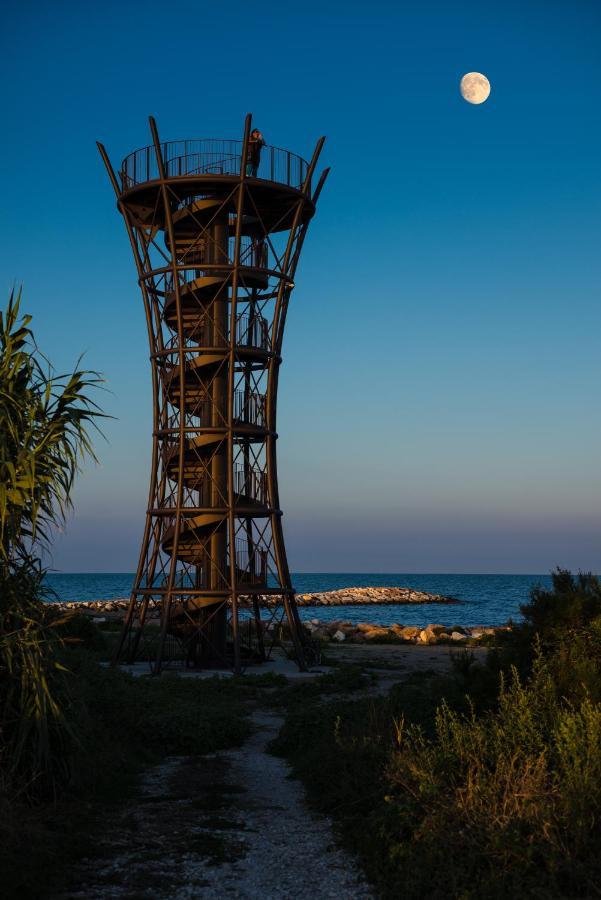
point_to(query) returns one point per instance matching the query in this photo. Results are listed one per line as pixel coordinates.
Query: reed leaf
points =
(46, 421)
(45, 424)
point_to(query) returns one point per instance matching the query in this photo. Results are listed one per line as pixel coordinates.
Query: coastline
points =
(351, 596)
(339, 631)
(483, 599)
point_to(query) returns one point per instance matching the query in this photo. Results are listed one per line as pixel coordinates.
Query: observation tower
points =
(216, 244)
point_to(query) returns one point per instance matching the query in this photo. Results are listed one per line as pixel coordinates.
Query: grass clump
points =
(45, 423)
(159, 716)
(502, 803)
(35, 734)
(118, 724)
(485, 783)
(73, 734)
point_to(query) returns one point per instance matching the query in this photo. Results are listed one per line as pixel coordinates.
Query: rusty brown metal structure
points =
(216, 241)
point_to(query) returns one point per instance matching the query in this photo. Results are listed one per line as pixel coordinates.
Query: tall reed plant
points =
(45, 423)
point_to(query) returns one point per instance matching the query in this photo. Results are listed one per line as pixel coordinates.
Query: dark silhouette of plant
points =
(44, 421)
(573, 602)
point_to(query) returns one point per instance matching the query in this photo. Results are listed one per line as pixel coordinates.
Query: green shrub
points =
(44, 435)
(340, 750)
(573, 602)
(122, 724)
(502, 804)
(76, 630)
(564, 624)
(36, 737)
(155, 716)
(483, 784)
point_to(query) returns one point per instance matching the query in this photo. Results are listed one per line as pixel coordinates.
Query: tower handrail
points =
(253, 254)
(196, 156)
(250, 408)
(250, 482)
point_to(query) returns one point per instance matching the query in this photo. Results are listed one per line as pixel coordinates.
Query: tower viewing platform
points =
(207, 157)
(216, 228)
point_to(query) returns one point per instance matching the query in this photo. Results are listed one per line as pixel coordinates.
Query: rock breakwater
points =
(383, 596)
(351, 632)
(338, 631)
(352, 596)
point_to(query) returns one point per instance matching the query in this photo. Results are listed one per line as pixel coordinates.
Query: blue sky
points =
(439, 399)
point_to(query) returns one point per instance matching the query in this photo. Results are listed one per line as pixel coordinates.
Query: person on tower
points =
(253, 152)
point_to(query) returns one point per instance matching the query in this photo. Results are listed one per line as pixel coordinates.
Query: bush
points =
(502, 804)
(76, 630)
(44, 435)
(483, 784)
(341, 750)
(155, 716)
(36, 738)
(573, 603)
(121, 724)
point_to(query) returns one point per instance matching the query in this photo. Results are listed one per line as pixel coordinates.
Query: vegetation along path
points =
(230, 824)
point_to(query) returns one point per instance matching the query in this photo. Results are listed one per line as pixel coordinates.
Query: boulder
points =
(427, 637)
(349, 630)
(457, 636)
(409, 633)
(339, 636)
(397, 630)
(376, 633)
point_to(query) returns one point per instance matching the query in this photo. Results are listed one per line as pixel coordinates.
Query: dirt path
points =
(404, 659)
(225, 825)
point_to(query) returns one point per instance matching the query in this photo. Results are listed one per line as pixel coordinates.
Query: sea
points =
(484, 599)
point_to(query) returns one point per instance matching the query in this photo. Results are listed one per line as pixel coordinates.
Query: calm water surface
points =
(485, 599)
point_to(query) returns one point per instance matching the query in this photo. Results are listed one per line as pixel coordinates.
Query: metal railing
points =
(250, 483)
(252, 331)
(250, 408)
(208, 156)
(252, 568)
(200, 408)
(252, 253)
(198, 253)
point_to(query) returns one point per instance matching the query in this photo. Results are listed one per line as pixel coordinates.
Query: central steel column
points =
(218, 244)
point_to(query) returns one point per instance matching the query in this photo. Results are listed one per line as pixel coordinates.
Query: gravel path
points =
(228, 825)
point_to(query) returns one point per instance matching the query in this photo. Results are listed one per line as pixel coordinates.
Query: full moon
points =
(475, 87)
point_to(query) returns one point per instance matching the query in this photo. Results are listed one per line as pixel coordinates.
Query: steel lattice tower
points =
(216, 247)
